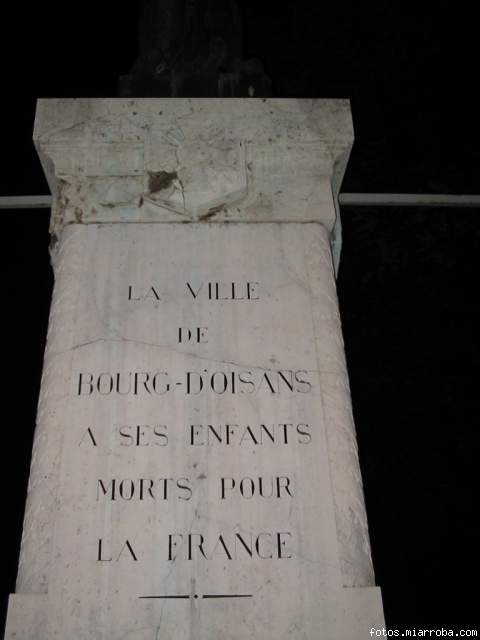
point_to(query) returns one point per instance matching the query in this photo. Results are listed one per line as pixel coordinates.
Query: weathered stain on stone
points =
(158, 180)
(53, 241)
(63, 199)
(211, 212)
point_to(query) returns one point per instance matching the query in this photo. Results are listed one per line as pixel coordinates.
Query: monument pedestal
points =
(195, 473)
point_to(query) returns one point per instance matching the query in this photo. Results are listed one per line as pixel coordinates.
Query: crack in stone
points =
(176, 351)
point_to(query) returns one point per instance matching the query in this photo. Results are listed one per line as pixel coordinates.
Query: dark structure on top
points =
(193, 48)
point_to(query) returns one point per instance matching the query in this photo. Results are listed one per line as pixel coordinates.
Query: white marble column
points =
(195, 470)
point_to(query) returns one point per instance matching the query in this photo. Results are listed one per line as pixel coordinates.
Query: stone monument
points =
(193, 48)
(195, 472)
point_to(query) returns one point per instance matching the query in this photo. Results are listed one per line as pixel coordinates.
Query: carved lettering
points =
(231, 434)
(271, 382)
(88, 438)
(272, 487)
(143, 435)
(236, 546)
(142, 489)
(199, 335)
(222, 291)
(126, 551)
(150, 294)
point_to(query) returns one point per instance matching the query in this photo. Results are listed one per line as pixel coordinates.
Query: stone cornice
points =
(190, 160)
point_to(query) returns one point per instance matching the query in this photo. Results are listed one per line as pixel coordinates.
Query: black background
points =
(408, 278)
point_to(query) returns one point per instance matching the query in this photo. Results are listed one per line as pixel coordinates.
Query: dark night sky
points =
(408, 278)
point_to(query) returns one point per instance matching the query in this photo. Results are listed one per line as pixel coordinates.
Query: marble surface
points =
(202, 468)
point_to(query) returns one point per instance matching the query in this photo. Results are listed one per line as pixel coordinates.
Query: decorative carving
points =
(209, 172)
(215, 160)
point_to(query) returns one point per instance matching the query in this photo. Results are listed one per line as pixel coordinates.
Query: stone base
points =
(347, 616)
(26, 617)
